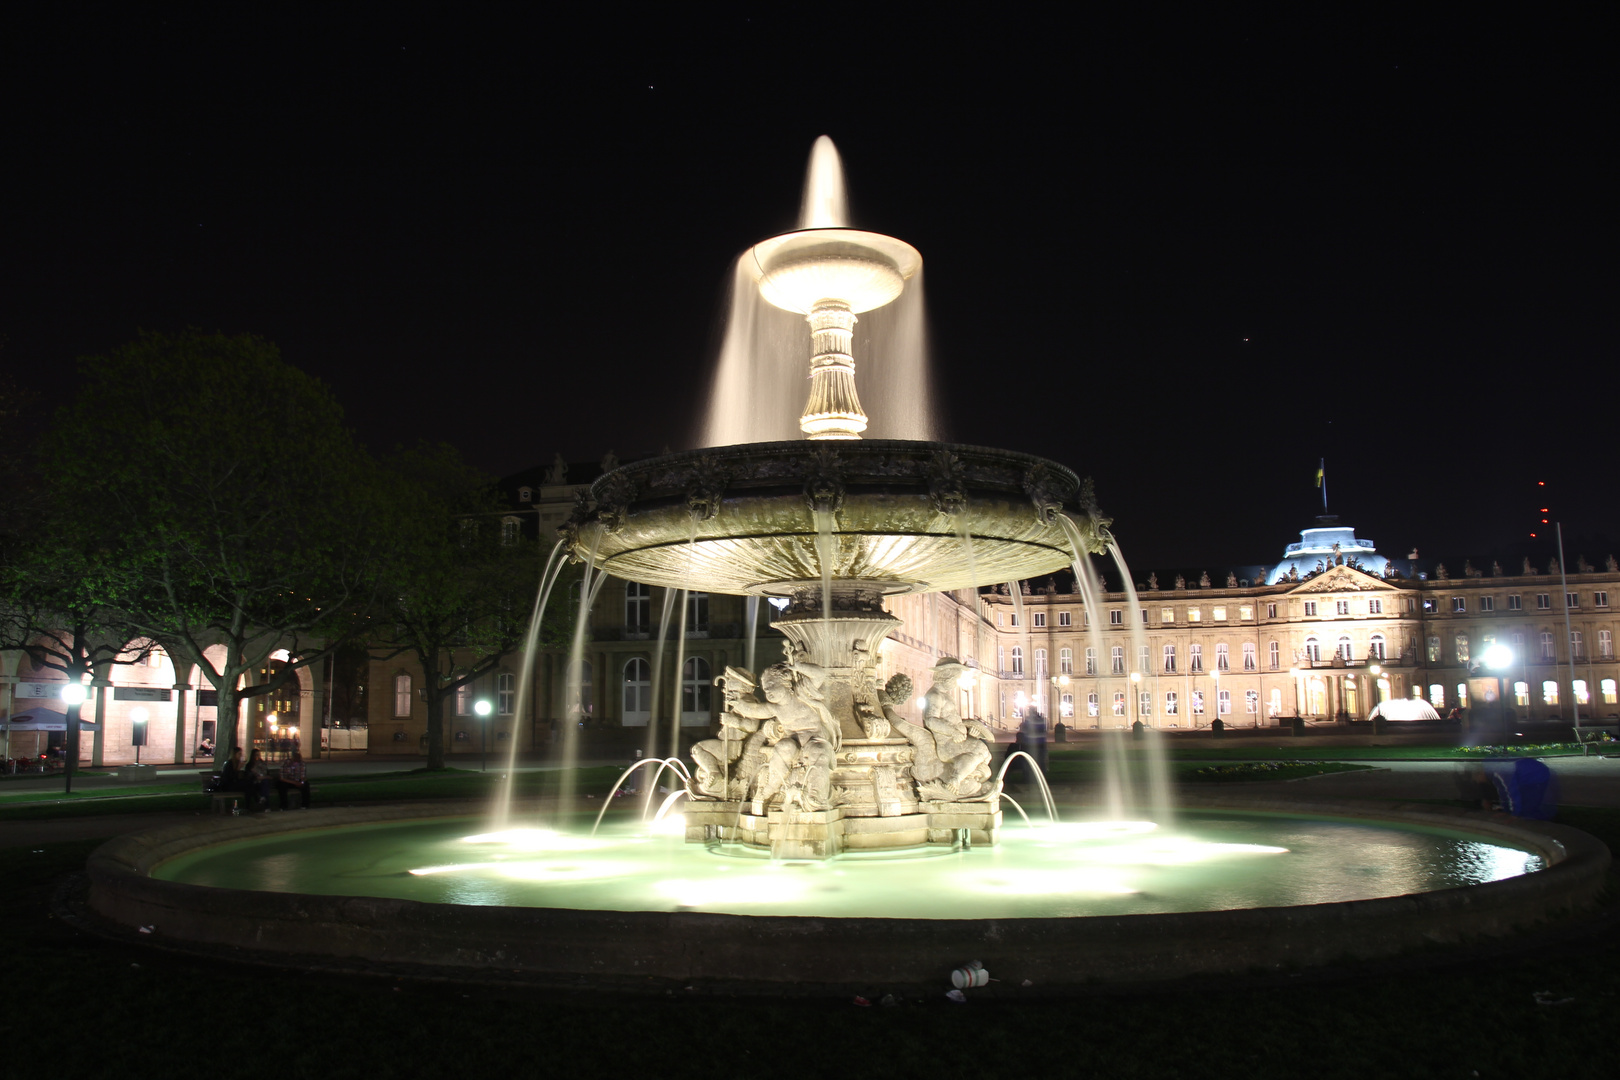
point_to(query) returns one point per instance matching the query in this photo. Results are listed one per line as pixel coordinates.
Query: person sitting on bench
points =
(293, 778)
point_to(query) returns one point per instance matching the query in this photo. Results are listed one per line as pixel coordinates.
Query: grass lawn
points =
(1251, 749)
(81, 1006)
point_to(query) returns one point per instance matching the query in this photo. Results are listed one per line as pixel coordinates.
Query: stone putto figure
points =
(1153, 581)
(1612, 566)
(1231, 580)
(1203, 580)
(741, 749)
(803, 737)
(952, 760)
(1582, 566)
(1528, 569)
(558, 473)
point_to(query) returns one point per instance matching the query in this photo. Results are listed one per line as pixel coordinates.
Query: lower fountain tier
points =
(797, 834)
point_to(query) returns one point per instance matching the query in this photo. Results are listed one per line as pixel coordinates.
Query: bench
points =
(225, 802)
(1590, 735)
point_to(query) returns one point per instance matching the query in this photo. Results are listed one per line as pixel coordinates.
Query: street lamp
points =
(1499, 658)
(482, 708)
(1136, 699)
(137, 719)
(73, 696)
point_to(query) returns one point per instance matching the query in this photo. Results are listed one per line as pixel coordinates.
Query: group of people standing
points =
(254, 781)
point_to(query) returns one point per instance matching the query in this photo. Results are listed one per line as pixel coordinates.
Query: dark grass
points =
(82, 1006)
(1252, 749)
(1069, 769)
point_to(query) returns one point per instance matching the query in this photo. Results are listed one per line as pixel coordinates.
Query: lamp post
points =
(1499, 658)
(73, 697)
(481, 707)
(137, 720)
(1136, 699)
(270, 722)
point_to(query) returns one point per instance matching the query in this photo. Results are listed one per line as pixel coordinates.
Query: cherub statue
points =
(804, 737)
(952, 761)
(744, 741)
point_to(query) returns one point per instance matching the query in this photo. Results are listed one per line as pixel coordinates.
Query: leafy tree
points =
(462, 582)
(227, 503)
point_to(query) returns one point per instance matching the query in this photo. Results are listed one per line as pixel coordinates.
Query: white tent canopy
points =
(1404, 709)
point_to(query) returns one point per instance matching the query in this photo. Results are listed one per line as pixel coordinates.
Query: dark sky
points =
(1188, 259)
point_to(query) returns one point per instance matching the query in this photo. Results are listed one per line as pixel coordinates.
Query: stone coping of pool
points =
(756, 952)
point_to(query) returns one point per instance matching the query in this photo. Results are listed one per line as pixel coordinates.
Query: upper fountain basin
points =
(903, 517)
(865, 270)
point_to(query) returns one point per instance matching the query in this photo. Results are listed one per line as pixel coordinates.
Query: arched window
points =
(1018, 660)
(1547, 653)
(1223, 703)
(505, 693)
(1274, 706)
(1091, 703)
(1119, 703)
(1040, 664)
(1116, 655)
(402, 695)
(637, 691)
(1313, 650)
(1549, 692)
(1251, 702)
(1091, 661)
(1434, 650)
(1606, 644)
(1249, 661)
(1066, 706)
(1521, 694)
(1198, 702)
(1375, 647)
(1195, 657)
(1170, 703)
(464, 699)
(1577, 648)
(1169, 665)
(1144, 703)
(1578, 689)
(1437, 695)
(1462, 648)
(1274, 654)
(1223, 657)
(697, 689)
(1066, 661)
(637, 609)
(1344, 647)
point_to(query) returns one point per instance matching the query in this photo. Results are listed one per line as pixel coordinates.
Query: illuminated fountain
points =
(814, 758)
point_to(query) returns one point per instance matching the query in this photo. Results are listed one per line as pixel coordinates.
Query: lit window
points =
(1577, 645)
(1065, 618)
(1543, 601)
(1375, 607)
(1040, 618)
(1170, 703)
(463, 700)
(1274, 654)
(637, 687)
(1341, 607)
(1170, 659)
(1218, 614)
(1608, 689)
(1462, 648)
(1547, 653)
(1375, 647)
(1434, 650)
(1116, 617)
(1251, 702)
(1144, 660)
(1246, 612)
(1310, 607)
(1195, 658)
(1091, 703)
(1040, 664)
(1119, 703)
(1549, 692)
(1091, 661)
(1600, 599)
(1459, 604)
(1572, 600)
(1487, 603)
(1223, 703)
(510, 531)
(1194, 615)
(1343, 648)
(1116, 656)
(1605, 644)
(1274, 706)
(1271, 611)
(402, 695)
(1515, 603)
(1167, 615)
(1462, 695)
(1249, 661)
(505, 693)
(1144, 703)
(1579, 689)
(697, 687)
(1223, 660)
(1066, 662)
(1066, 705)
(1521, 693)
(1018, 660)
(1198, 702)
(637, 608)
(1313, 650)
(1437, 695)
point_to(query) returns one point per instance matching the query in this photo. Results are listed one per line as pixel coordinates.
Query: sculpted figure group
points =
(787, 745)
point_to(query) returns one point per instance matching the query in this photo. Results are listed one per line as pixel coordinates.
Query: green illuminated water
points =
(1207, 863)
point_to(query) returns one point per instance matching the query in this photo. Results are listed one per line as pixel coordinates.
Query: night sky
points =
(1187, 259)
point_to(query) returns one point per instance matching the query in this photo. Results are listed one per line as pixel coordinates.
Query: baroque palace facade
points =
(1326, 634)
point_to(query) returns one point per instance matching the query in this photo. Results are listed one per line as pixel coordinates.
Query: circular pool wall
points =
(765, 950)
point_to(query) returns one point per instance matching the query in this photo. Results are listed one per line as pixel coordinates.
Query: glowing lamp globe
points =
(1498, 656)
(73, 693)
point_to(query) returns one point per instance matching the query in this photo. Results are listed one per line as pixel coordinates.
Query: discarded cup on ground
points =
(968, 976)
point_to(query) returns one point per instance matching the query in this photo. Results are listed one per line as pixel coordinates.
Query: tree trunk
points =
(435, 707)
